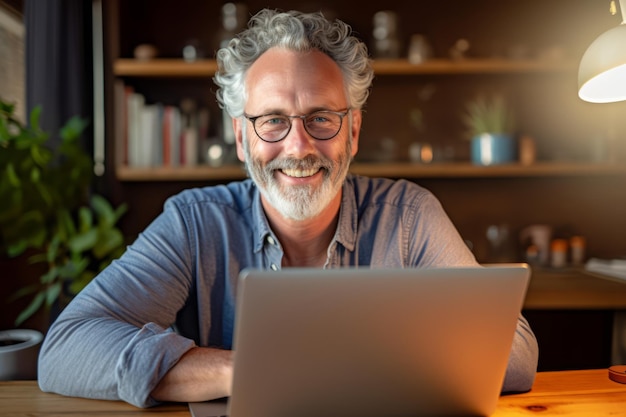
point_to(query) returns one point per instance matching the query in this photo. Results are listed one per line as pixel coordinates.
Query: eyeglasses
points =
(321, 125)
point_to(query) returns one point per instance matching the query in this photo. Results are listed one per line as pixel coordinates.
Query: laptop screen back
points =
(371, 342)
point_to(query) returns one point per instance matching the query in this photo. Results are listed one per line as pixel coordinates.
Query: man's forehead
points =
(283, 79)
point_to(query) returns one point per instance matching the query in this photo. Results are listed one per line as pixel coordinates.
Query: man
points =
(157, 325)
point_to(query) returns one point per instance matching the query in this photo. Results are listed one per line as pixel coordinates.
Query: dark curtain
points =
(59, 62)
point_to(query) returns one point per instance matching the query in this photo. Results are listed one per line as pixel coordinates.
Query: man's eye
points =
(274, 120)
(318, 118)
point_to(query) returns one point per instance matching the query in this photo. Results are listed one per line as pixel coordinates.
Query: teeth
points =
(299, 173)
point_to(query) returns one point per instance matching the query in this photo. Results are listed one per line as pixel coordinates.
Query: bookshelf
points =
(173, 68)
(567, 186)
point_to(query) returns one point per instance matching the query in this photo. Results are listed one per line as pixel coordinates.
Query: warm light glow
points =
(606, 87)
(426, 154)
(602, 71)
(486, 150)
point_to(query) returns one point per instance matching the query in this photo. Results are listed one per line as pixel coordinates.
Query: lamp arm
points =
(622, 6)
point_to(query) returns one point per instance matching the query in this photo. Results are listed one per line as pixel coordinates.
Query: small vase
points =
(492, 149)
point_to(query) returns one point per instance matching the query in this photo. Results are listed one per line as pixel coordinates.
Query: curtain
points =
(59, 62)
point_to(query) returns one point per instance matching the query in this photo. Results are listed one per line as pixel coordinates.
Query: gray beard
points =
(299, 202)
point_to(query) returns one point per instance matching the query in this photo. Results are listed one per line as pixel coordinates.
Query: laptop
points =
(372, 342)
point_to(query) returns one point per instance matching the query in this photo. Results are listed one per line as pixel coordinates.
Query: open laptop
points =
(372, 342)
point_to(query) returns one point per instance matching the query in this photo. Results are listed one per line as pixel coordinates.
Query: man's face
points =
(298, 176)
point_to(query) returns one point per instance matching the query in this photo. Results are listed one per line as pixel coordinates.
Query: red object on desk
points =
(617, 373)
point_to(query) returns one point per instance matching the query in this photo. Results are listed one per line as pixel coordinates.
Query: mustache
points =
(308, 162)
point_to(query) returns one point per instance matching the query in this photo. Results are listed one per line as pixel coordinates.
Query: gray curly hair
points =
(299, 32)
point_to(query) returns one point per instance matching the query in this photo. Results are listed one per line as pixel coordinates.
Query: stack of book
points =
(156, 135)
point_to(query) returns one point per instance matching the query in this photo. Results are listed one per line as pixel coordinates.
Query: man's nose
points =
(298, 142)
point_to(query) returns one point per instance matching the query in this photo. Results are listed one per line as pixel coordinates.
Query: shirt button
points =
(274, 267)
(271, 240)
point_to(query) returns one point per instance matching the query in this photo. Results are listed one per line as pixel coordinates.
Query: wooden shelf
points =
(470, 66)
(467, 170)
(164, 67)
(178, 68)
(392, 170)
(573, 288)
(196, 173)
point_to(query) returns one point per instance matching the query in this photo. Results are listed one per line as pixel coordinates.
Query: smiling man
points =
(157, 325)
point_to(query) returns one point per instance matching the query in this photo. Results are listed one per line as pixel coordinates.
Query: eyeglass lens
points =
(321, 125)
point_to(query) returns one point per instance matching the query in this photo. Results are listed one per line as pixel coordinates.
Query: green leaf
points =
(65, 225)
(120, 210)
(4, 132)
(83, 241)
(53, 249)
(52, 293)
(73, 128)
(103, 209)
(7, 108)
(38, 258)
(24, 291)
(12, 176)
(35, 174)
(34, 118)
(72, 269)
(45, 194)
(109, 241)
(31, 309)
(85, 219)
(17, 249)
(40, 155)
(50, 276)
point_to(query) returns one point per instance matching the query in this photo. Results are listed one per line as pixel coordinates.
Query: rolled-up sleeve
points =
(114, 341)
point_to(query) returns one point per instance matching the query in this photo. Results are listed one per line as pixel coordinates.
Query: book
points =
(135, 105)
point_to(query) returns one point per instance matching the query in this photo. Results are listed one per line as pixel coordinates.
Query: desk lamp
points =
(602, 71)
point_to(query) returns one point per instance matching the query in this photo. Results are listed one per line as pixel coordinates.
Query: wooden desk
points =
(574, 289)
(587, 393)
(564, 393)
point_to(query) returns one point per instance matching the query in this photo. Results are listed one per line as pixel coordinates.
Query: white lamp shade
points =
(602, 71)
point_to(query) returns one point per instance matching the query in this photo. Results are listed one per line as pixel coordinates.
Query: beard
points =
(299, 202)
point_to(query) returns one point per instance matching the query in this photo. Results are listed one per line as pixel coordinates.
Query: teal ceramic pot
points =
(492, 149)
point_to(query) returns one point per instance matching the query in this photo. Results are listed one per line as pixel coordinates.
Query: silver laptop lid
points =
(371, 342)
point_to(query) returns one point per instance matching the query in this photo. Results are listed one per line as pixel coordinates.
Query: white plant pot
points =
(19, 351)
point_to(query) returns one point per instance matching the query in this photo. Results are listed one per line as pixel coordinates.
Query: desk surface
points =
(573, 288)
(564, 393)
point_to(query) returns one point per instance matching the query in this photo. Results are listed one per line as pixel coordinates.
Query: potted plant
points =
(491, 129)
(47, 212)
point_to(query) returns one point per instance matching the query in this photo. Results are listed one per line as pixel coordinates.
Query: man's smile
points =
(299, 172)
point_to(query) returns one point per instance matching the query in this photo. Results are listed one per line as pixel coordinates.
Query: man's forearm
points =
(201, 374)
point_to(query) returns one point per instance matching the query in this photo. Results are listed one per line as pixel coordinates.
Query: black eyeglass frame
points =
(340, 113)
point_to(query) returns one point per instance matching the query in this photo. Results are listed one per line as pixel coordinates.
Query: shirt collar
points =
(347, 224)
(260, 221)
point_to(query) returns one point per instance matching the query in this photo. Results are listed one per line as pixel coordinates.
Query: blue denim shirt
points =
(175, 286)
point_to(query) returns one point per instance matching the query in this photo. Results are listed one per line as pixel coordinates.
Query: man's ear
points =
(238, 129)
